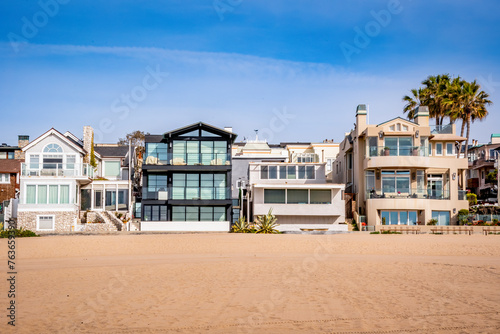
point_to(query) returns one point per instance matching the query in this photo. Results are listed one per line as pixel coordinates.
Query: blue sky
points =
(277, 66)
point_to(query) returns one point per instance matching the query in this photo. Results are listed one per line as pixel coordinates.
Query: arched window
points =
(52, 148)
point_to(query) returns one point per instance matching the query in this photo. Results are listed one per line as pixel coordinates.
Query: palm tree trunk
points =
(468, 134)
(461, 135)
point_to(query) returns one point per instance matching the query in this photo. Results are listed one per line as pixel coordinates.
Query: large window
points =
(396, 181)
(199, 186)
(442, 217)
(47, 194)
(155, 212)
(297, 196)
(199, 152)
(274, 196)
(450, 149)
(372, 146)
(287, 172)
(319, 196)
(401, 146)
(112, 169)
(156, 153)
(198, 213)
(370, 180)
(439, 148)
(399, 217)
(156, 183)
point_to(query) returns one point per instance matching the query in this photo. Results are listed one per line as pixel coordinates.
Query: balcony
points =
(420, 193)
(188, 159)
(187, 193)
(442, 129)
(395, 151)
(57, 170)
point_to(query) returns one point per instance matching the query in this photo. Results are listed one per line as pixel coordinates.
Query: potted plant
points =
(415, 151)
(387, 151)
(383, 220)
(432, 222)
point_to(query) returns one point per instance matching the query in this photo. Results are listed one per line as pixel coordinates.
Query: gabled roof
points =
(56, 133)
(202, 126)
(399, 118)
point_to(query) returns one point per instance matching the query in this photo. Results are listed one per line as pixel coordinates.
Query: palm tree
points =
(413, 102)
(436, 89)
(468, 103)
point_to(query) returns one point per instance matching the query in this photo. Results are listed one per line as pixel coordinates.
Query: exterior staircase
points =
(111, 219)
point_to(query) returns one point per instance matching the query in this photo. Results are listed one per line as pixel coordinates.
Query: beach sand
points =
(246, 283)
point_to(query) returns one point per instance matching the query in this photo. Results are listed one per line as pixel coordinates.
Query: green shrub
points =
(267, 223)
(376, 232)
(432, 222)
(390, 232)
(472, 198)
(18, 233)
(354, 225)
(242, 226)
(463, 212)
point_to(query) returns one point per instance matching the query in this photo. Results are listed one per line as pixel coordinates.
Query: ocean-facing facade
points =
(402, 172)
(187, 180)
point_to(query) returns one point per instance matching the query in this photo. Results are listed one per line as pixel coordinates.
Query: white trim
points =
(57, 134)
(4, 178)
(45, 229)
(301, 186)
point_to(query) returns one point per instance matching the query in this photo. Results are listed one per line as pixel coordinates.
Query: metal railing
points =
(418, 193)
(189, 159)
(57, 169)
(406, 151)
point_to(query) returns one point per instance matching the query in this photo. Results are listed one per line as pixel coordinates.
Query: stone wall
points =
(63, 220)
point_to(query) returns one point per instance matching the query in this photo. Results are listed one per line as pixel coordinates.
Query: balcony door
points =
(435, 186)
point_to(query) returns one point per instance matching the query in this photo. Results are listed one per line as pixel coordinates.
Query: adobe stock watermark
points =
(488, 84)
(122, 106)
(372, 29)
(31, 27)
(223, 6)
(277, 124)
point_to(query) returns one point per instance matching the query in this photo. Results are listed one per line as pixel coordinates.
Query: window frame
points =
(44, 229)
(5, 178)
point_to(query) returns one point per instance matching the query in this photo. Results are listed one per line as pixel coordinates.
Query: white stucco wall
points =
(187, 226)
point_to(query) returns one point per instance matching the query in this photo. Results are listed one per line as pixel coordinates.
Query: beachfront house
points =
(482, 159)
(299, 195)
(187, 180)
(63, 188)
(402, 171)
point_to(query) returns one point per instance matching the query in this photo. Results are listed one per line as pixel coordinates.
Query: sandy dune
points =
(230, 283)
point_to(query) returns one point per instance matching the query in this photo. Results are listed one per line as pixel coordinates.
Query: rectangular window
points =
(395, 182)
(53, 195)
(264, 172)
(449, 148)
(4, 178)
(156, 153)
(155, 212)
(420, 181)
(302, 172)
(442, 217)
(11, 155)
(310, 173)
(398, 217)
(439, 148)
(282, 172)
(70, 161)
(320, 196)
(30, 194)
(274, 196)
(291, 173)
(42, 194)
(64, 196)
(112, 169)
(329, 165)
(192, 213)
(430, 149)
(98, 199)
(297, 196)
(178, 213)
(273, 172)
(110, 200)
(45, 223)
(372, 146)
(34, 161)
(370, 180)
(3, 155)
(219, 213)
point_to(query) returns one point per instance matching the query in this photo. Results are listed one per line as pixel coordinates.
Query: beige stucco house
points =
(401, 171)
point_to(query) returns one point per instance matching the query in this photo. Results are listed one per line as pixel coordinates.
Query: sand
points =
(239, 283)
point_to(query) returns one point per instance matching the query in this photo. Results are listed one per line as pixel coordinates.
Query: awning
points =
(436, 170)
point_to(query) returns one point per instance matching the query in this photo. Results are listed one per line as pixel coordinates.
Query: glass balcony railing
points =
(442, 129)
(189, 159)
(406, 151)
(57, 169)
(422, 193)
(187, 193)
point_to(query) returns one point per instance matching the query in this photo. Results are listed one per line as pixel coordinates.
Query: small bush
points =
(432, 222)
(390, 232)
(18, 233)
(376, 232)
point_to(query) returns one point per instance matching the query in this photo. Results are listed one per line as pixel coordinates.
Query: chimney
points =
(361, 114)
(88, 133)
(22, 140)
(228, 129)
(422, 116)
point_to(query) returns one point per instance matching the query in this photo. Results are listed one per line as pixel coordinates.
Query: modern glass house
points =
(187, 180)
